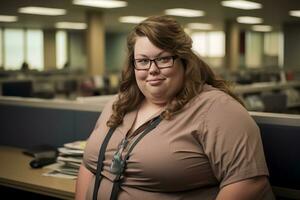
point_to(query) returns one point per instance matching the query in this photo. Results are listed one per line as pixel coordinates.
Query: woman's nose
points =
(153, 68)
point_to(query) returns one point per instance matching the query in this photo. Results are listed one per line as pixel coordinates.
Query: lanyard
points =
(118, 165)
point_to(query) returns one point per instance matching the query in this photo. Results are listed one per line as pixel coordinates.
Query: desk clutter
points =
(42, 155)
(66, 163)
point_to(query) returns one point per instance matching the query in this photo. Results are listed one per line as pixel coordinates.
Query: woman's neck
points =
(153, 104)
(148, 109)
(145, 112)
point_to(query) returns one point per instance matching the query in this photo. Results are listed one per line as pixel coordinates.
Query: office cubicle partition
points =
(281, 141)
(32, 122)
(26, 123)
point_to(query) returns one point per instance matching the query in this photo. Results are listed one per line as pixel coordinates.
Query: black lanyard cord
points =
(100, 162)
(117, 180)
(152, 125)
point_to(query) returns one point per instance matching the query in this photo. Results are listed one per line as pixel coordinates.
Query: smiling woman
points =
(161, 79)
(172, 131)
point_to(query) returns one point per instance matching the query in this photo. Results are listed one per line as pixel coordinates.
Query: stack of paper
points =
(68, 161)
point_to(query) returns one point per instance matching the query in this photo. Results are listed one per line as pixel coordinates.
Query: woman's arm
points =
(83, 180)
(248, 189)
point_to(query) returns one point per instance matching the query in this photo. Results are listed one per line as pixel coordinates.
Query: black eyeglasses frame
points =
(154, 60)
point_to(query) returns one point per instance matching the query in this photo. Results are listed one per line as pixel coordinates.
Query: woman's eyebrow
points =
(157, 55)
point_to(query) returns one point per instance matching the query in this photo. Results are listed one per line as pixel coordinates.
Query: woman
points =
(175, 131)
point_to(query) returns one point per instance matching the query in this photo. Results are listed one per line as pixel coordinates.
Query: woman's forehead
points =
(144, 47)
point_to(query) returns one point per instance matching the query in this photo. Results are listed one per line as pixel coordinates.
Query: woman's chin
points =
(158, 98)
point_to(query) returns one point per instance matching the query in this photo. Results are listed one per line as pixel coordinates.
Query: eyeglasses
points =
(160, 62)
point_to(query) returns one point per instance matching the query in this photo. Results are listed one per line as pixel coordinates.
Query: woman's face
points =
(158, 85)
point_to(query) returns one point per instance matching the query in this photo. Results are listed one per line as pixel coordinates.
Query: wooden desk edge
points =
(34, 189)
(28, 186)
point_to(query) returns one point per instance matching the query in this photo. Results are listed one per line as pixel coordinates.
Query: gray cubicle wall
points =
(25, 126)
(30, 125)
(280, 135)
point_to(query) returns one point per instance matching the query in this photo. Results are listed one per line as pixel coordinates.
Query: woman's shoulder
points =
(107, 110)
(210, 96)
(224, 109)
(212, 93)
(108, 106)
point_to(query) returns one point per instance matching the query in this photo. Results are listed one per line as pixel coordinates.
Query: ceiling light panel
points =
(262, 28)
(183, 12)
(200, 26)
(8, 18)
(131, 19)
(101, 3)
(42, 11)
(70, 25)
(249, 20)
(294, 13)
(241, 4)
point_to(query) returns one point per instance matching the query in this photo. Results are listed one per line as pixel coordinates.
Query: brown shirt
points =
(211, 143)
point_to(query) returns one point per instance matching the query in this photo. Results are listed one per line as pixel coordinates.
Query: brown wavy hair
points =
(167, 34)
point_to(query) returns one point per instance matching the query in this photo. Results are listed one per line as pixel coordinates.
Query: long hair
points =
(167, 34)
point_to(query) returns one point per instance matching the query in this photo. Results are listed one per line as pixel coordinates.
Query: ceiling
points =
(274, 12)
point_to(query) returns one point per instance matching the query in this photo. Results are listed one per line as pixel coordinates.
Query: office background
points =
(58, 70)
(87, 43)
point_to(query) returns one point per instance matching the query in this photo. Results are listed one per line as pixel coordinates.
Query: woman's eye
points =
(164, 59)
(143, 61)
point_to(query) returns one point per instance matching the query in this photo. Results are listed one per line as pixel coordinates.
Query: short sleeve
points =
(232, 142)
(90, 156)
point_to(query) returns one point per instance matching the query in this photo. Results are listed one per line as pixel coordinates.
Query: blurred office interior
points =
(61, 60)
(78, 49)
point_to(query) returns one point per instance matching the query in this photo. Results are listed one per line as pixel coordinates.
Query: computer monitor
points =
(19, 88)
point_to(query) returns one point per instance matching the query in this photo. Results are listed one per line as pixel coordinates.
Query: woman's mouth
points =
(155, 82)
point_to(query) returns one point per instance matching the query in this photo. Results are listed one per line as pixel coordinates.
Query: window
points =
(211, 46)
(1, 49)
(61, 49)
(263, 49)
(271, 43)
(216, 46)
(14, 48)
(273, 49)
(35, 49)
(254, 49)
(200, 43)
(22, 46)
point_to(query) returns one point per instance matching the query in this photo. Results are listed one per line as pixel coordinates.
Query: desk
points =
(15, 172)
